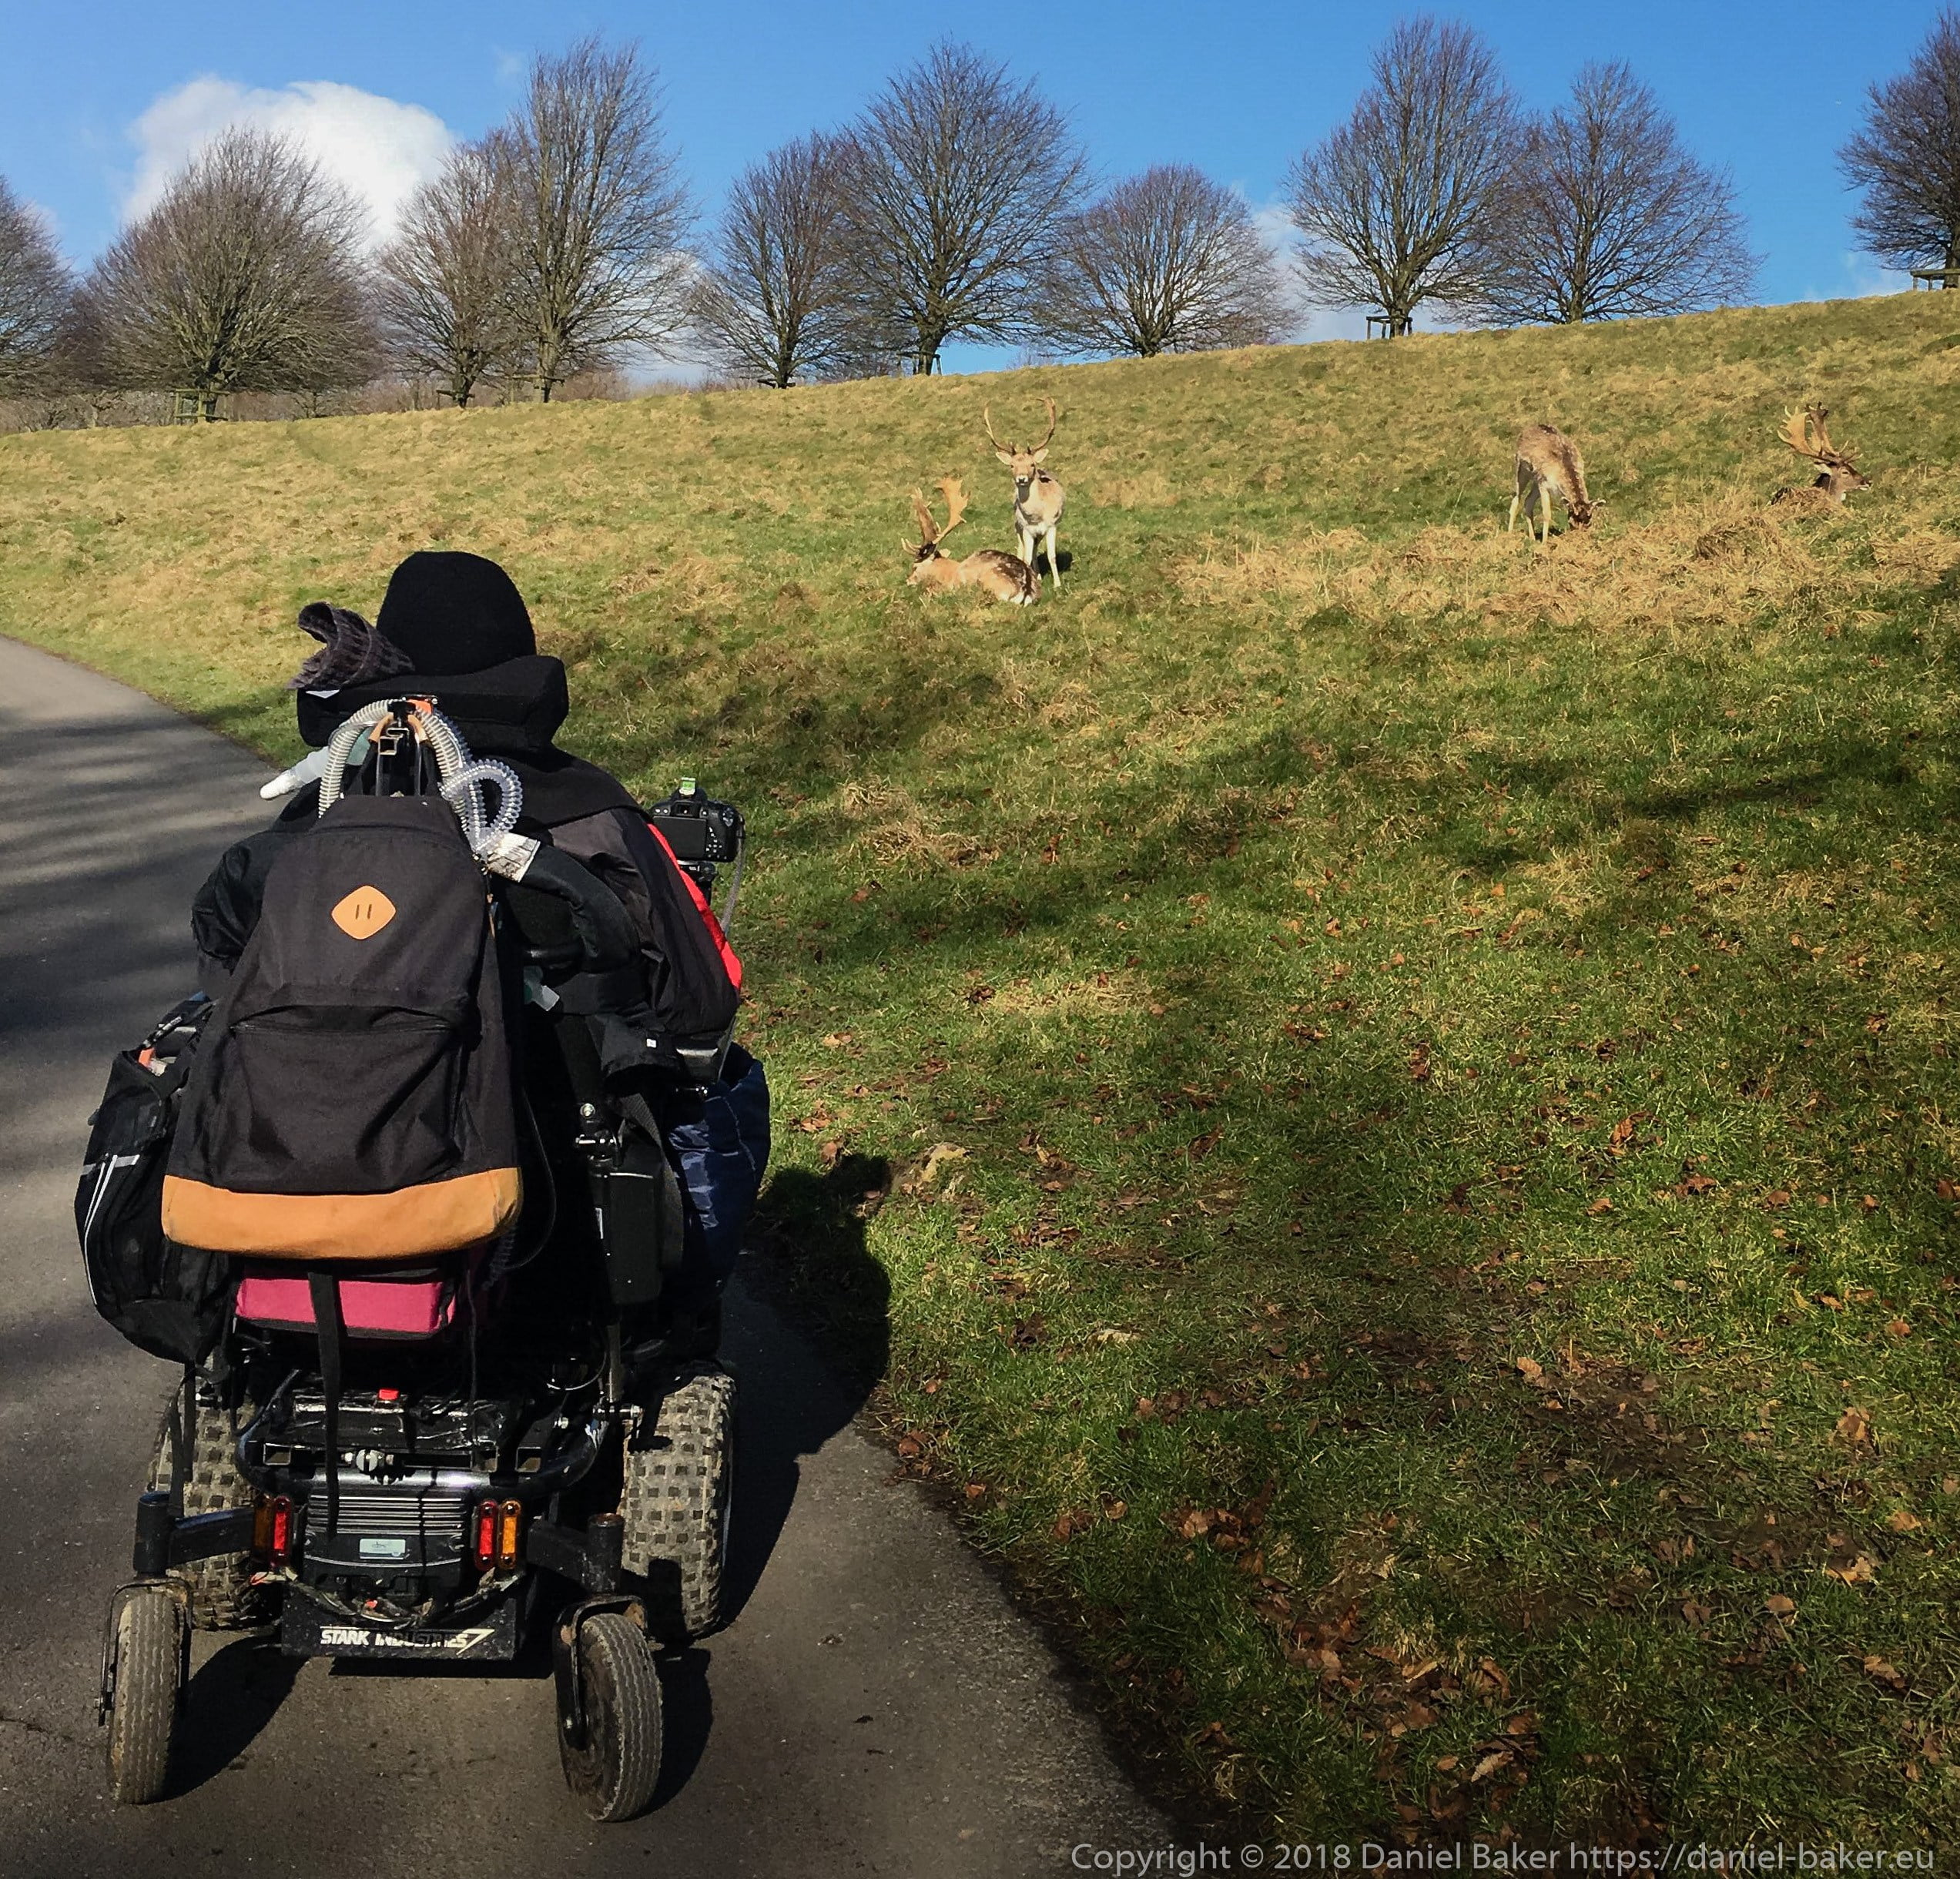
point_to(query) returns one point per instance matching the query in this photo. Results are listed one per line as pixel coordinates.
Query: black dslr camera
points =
(704, 835)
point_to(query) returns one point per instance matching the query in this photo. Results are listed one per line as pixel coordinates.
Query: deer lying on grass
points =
(992, 570)
(1037, 496)
(1550, 469)
(1807, 435)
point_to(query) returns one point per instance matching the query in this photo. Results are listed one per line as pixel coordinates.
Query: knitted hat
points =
(455, 613)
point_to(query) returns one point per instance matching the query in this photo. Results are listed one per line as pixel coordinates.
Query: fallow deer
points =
(1037, 496)
(1550, 469)
(992, 570)
(1806, 434)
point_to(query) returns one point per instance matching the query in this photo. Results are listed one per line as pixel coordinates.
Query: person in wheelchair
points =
(641, 1051)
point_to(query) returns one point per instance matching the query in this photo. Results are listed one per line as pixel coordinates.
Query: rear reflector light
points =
(510, 1517)
(282, 1529)
(486, 1533)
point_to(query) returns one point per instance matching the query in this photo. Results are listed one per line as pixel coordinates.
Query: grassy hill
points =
(1397, 1091)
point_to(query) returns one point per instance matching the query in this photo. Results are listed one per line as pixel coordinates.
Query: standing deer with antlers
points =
(1037, 496)
(992, 570)
(1550, 469)
(1806, 434)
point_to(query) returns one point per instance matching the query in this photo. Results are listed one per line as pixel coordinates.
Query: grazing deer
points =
(1037, 496)
(1807, 435)
(1550, 469)
(992, 570)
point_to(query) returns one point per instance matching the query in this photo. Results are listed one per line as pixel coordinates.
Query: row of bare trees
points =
(1440, 188)
(540, 253)
(957, 206)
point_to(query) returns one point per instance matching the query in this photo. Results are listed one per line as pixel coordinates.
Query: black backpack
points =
(353, 1099)
(166, 1299)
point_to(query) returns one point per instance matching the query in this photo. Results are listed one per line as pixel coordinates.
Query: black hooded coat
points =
(463, 624)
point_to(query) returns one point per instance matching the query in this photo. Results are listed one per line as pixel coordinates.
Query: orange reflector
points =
(486, 1543)
(510, 1516)
(261, 1527)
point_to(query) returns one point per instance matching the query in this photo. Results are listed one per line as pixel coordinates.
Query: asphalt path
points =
(876, 1707)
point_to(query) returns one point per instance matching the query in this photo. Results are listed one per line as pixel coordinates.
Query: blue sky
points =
(97, 101)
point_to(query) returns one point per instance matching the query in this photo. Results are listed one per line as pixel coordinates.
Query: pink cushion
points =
(373, 1308)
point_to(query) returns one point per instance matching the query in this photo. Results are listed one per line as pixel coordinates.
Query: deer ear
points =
(1041, 455)
(1007, 456)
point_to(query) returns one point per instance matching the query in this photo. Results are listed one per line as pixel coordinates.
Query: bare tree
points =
(1607, 216)
(600, 216)
(1167, 262)
(447, 284)
(1396, 205)
(35, 287)
(1907, 159)
(246, 277)
(955, 182)
(772, 304)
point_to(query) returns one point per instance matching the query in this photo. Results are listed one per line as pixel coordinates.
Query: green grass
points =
(1446, 1053)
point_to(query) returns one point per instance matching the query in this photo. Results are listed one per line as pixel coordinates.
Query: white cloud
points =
(381, 148)
(1276, 229)
(1868, 277)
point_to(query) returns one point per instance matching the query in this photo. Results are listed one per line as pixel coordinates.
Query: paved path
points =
(876, 1707)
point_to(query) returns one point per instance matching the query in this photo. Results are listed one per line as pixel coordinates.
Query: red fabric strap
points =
(730, 964)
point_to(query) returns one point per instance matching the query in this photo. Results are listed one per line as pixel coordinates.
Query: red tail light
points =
(486, 1542)
(282, 1529)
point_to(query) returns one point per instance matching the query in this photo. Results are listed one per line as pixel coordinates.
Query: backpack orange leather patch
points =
(363, 913)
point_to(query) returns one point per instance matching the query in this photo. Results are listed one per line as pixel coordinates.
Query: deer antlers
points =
(1808, 434)
(986, 424)
(949, 486)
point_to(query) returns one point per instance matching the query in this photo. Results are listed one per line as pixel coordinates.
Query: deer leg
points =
(1054, 558)
(1511, 527)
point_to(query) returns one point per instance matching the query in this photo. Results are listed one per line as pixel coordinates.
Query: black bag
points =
(166, 1299)
(354, 1100)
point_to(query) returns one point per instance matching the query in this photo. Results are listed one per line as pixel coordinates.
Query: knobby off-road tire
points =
(149, 1654)
(614, 1770)
(223, 1597)
(679, 1480)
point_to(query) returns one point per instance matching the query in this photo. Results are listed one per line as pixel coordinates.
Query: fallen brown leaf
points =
(1855, 1428)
